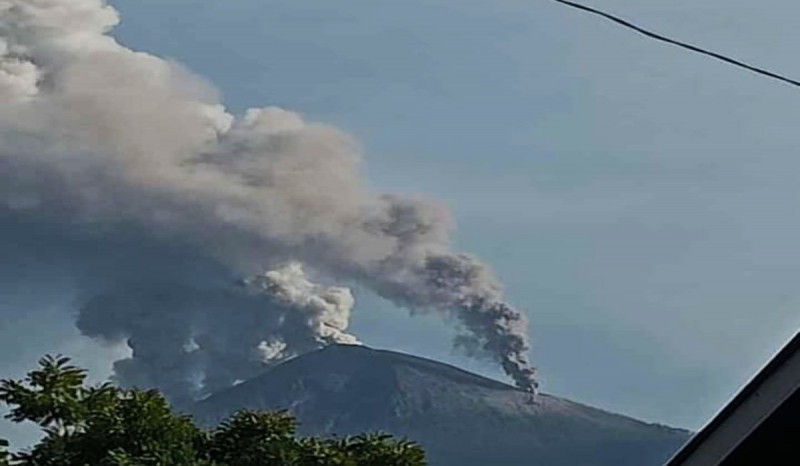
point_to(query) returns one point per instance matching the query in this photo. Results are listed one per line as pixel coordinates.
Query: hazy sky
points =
(639, 201)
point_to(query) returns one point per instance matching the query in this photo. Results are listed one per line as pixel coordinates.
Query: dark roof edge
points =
(764, 374)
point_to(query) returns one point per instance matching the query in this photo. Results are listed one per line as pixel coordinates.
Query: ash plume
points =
(190, 342)
(107, 146)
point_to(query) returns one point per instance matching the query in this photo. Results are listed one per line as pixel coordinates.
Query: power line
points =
(684, 45)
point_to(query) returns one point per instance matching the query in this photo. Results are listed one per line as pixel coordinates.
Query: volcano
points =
(460, 418)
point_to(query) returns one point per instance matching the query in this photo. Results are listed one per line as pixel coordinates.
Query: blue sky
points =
(639, 201)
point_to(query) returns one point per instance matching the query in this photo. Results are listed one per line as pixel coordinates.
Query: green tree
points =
(105, 425)
(268, 438)
(380, 449)
(5, 458)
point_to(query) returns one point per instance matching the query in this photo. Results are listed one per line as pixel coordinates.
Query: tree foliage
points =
(5, 458)
(104, 425)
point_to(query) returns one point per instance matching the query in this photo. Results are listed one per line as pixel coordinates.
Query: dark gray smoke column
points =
(464, 288)
(102, 142)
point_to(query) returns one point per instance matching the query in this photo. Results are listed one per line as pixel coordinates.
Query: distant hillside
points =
(462, 419)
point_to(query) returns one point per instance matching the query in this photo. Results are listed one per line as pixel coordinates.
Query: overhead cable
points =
(678, 43)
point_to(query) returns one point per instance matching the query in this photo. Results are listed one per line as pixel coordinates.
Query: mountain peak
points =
(460, 417)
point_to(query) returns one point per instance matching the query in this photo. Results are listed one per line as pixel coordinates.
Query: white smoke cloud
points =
(327, 310)
(103, 143)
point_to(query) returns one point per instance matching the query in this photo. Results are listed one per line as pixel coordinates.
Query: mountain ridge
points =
(461, 418)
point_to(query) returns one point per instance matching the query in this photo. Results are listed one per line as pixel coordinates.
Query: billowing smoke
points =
(190, 342)
(108, 146)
